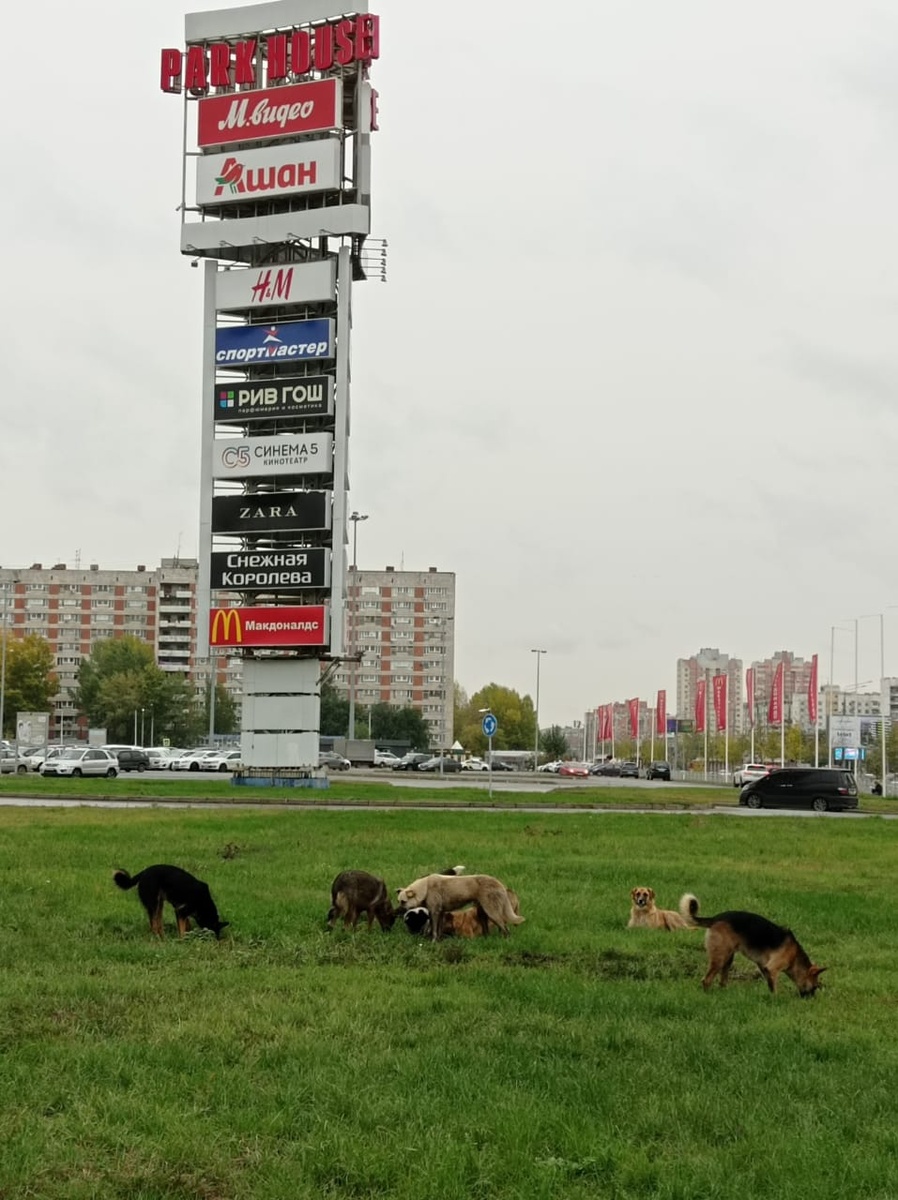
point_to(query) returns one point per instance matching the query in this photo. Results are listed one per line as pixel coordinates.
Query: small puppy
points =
(187, 895)
(770, 947)
(473, 922)
(646, 915)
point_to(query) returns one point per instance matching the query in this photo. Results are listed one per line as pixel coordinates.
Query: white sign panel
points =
(845, 731)
(32, 728)
(279, 454)
(249, 175)
(282, 283)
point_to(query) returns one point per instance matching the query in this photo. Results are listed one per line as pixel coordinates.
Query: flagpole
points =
(726, 728)
(782, 712)
(706, 725)
(652, 712)
(752, 713)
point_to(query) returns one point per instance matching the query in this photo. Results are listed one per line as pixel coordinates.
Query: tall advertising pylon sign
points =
(276, 205)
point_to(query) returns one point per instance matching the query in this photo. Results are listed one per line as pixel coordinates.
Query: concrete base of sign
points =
(280, 777)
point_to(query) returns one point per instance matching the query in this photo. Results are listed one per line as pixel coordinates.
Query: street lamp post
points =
(355, 517)
(3, 654)
(539, 654)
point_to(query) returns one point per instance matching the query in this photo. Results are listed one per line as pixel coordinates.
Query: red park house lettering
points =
(286, 56)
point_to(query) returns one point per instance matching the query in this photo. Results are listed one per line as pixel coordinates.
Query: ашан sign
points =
(255, 62)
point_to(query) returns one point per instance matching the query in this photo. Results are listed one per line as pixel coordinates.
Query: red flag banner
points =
(633, 706)
(775, 707)
(700, 706)
(609, 723)
(661, 714)
(720, 701)
(812, 692)
(750, 694)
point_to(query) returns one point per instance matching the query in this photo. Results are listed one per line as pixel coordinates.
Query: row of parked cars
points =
(110, 760)
(618, 770)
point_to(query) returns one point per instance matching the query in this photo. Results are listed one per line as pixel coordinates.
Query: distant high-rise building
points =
(705, 665)
(403, 625)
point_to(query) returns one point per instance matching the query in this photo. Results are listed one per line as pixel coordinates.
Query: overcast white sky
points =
(633, 376)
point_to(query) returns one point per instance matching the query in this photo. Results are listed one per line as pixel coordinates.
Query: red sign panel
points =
(272, 113)
(303, 625)
(812, 692)
(720, 701)
(661, 714)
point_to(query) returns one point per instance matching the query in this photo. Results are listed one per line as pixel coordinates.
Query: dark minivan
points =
(132, 759)
(821, 789)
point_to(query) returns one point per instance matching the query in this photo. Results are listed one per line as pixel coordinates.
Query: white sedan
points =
(749, 772)
(72, 762)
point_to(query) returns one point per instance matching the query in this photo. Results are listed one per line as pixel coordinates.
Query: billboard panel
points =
(304, 283)
(268, 173)
(279, 454)
(300, 396)
(252, 345)
(289, 625)
(270, 570)
(279, 112)
(271, 512)
(844, 730)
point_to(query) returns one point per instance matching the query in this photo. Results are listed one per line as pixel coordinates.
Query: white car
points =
(474, 764)
(36, 760)
(229, 760)
(160, 757)
(551, 767)
(748, 772)
(89, 761)
(190, 760)
(385, 758)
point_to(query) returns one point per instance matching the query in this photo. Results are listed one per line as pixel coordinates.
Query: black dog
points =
(189, 897)
(417, 921)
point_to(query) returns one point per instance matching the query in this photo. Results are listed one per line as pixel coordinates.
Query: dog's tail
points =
(459, 870)
(123, 879)
(689, 911)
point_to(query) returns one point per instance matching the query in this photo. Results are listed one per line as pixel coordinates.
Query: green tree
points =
(406, 724)
(515, 714)
(225, 714)
(553, 743)
(30, 681)
(334, 720)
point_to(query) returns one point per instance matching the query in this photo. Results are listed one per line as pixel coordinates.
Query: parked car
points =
(333, 761)
(574, 770)
(629, 770)
(433, 764)
(10, 765)
(606, 768)
(474, 764)
(410, 761)
(658, 770)
(190, 759)
(130, 759)
(161, 757)
(39, 756)
(89, 761)
(225, 760)
(385, 758)
(819, 788)
(498, 765)
(749, 772)
(551, 767)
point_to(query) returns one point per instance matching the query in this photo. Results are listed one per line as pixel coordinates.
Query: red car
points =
(577, 770)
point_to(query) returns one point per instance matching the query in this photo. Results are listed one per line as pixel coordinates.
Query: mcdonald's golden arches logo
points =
(226, 627)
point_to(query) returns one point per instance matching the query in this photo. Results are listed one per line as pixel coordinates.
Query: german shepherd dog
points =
(645, 913)
(770, 947)
(187, 895)
(357, 892)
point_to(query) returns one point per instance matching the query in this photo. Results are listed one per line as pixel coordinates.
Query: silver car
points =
(90, 761)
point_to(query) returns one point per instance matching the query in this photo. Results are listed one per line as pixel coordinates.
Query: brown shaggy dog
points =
(357, 892)
(444, 893)
(644, 913)
(473, 922)
(770, 947)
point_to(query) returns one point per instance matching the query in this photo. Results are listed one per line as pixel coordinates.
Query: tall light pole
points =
(355, 517)
(6, 588)
(539, 654)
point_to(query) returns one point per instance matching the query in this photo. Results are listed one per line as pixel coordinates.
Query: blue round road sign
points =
(489, 725)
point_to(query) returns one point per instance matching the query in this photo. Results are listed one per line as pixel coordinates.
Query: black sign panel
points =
(271, 512)
(254, 399)
(281, 570)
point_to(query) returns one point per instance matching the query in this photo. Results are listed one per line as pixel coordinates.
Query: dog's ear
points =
(633, 893)
(651, 892)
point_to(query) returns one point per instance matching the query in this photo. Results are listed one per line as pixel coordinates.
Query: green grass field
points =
(575, 1059)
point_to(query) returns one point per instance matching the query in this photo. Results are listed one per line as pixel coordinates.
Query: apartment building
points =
(704, 666)
(74, 609)
(796, 681)
(403, 625)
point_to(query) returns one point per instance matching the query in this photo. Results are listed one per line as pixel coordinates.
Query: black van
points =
(818, 788)
(132, 759)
